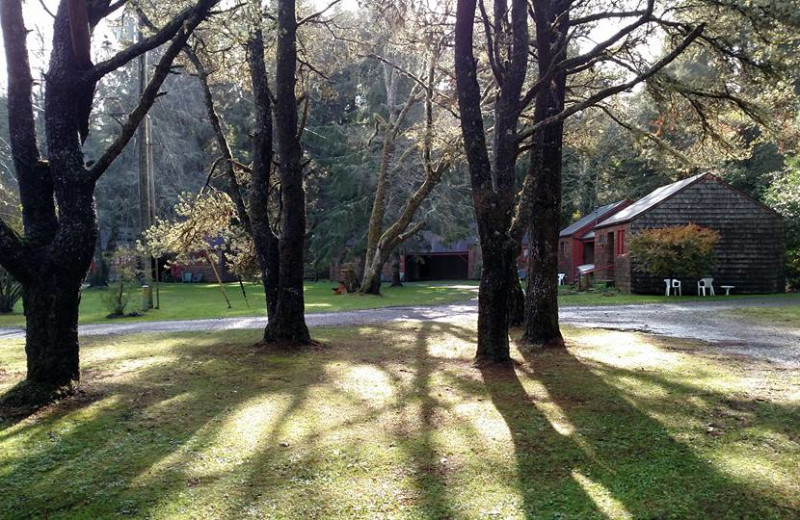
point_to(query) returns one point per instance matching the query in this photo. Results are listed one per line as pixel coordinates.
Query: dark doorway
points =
(588, 253)
(441, 266)
(610, 248)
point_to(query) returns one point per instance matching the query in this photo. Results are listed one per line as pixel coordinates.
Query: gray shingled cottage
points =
(750, 253)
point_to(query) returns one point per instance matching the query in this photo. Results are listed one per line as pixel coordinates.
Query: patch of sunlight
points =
(130, 348)
(601, 496)
(642, 389)
(448, 346)
(754, 467)
(247, 426)
(63, 427)
(460, 287)
(223, 442)
(696, 401)
(492, 427)
(540, 397)
(367, 381)
(626, 350)
(135, 365)
(165, 406)
(309, 305)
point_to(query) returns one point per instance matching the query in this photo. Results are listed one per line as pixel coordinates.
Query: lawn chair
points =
(561, 277)
(673, 285)
(705, 285)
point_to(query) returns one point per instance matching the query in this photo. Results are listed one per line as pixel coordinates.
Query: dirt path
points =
(708, 322)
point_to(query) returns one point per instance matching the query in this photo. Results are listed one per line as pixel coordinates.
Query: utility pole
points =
(147, 207)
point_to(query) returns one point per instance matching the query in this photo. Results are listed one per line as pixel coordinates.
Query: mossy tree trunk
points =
(50, 259)
(288, 323)
(541, 303)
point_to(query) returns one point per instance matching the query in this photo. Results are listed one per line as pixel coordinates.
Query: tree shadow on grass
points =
(153, 422)
(24, 399)
(134, 442)
(583, 450)
(362, 431)
(156, 440)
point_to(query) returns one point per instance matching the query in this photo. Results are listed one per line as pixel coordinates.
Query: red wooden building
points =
(576, 241)
(750, 254)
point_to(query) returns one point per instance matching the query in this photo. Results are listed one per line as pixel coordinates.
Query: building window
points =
(620, 242)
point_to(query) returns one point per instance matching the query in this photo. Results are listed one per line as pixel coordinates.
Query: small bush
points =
(677, 251)
(10, 292)
(118, 295)
(793, 268)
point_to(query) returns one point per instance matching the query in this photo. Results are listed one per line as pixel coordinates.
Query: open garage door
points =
(437, 266)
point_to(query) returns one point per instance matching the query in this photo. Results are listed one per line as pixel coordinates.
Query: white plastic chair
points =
(705, 285)
(676, 284)
(668, 282)
(561, 277)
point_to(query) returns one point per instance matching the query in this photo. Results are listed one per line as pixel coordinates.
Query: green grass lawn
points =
(196, 301)
(397, 422)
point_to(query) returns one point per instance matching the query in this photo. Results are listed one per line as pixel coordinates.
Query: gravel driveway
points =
(708, 322)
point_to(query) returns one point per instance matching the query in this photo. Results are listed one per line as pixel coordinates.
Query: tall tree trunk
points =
(264, 238)
(373, 261)
(57, 195)
(371, 278)
(516, 297)
(493, 304)
(371, 282)
(52, 296)
(493, 180)
(51, 337)
(541, 321)
(289, 323)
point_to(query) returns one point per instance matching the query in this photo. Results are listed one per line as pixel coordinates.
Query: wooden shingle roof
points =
(591, 218)
(649, 201)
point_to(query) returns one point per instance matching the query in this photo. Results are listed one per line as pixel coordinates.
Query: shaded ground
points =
(396, 422)
(716, 322)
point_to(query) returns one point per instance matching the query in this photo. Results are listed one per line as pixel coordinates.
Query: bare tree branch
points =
(318, 13)
(491, 50)
(24, 148)
(162, 70)
(159, 38)
(234, 190)
(46, 10)
(601, 47)
(661, 143)
(610, 91)
(596, 17)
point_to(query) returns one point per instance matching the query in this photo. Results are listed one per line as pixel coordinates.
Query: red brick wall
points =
(607, 252)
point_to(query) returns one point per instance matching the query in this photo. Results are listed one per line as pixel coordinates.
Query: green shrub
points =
(677, 251)
(10, 292)
(124, 267)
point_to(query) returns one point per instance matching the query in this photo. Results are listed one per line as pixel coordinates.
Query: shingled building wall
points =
(751, 250)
